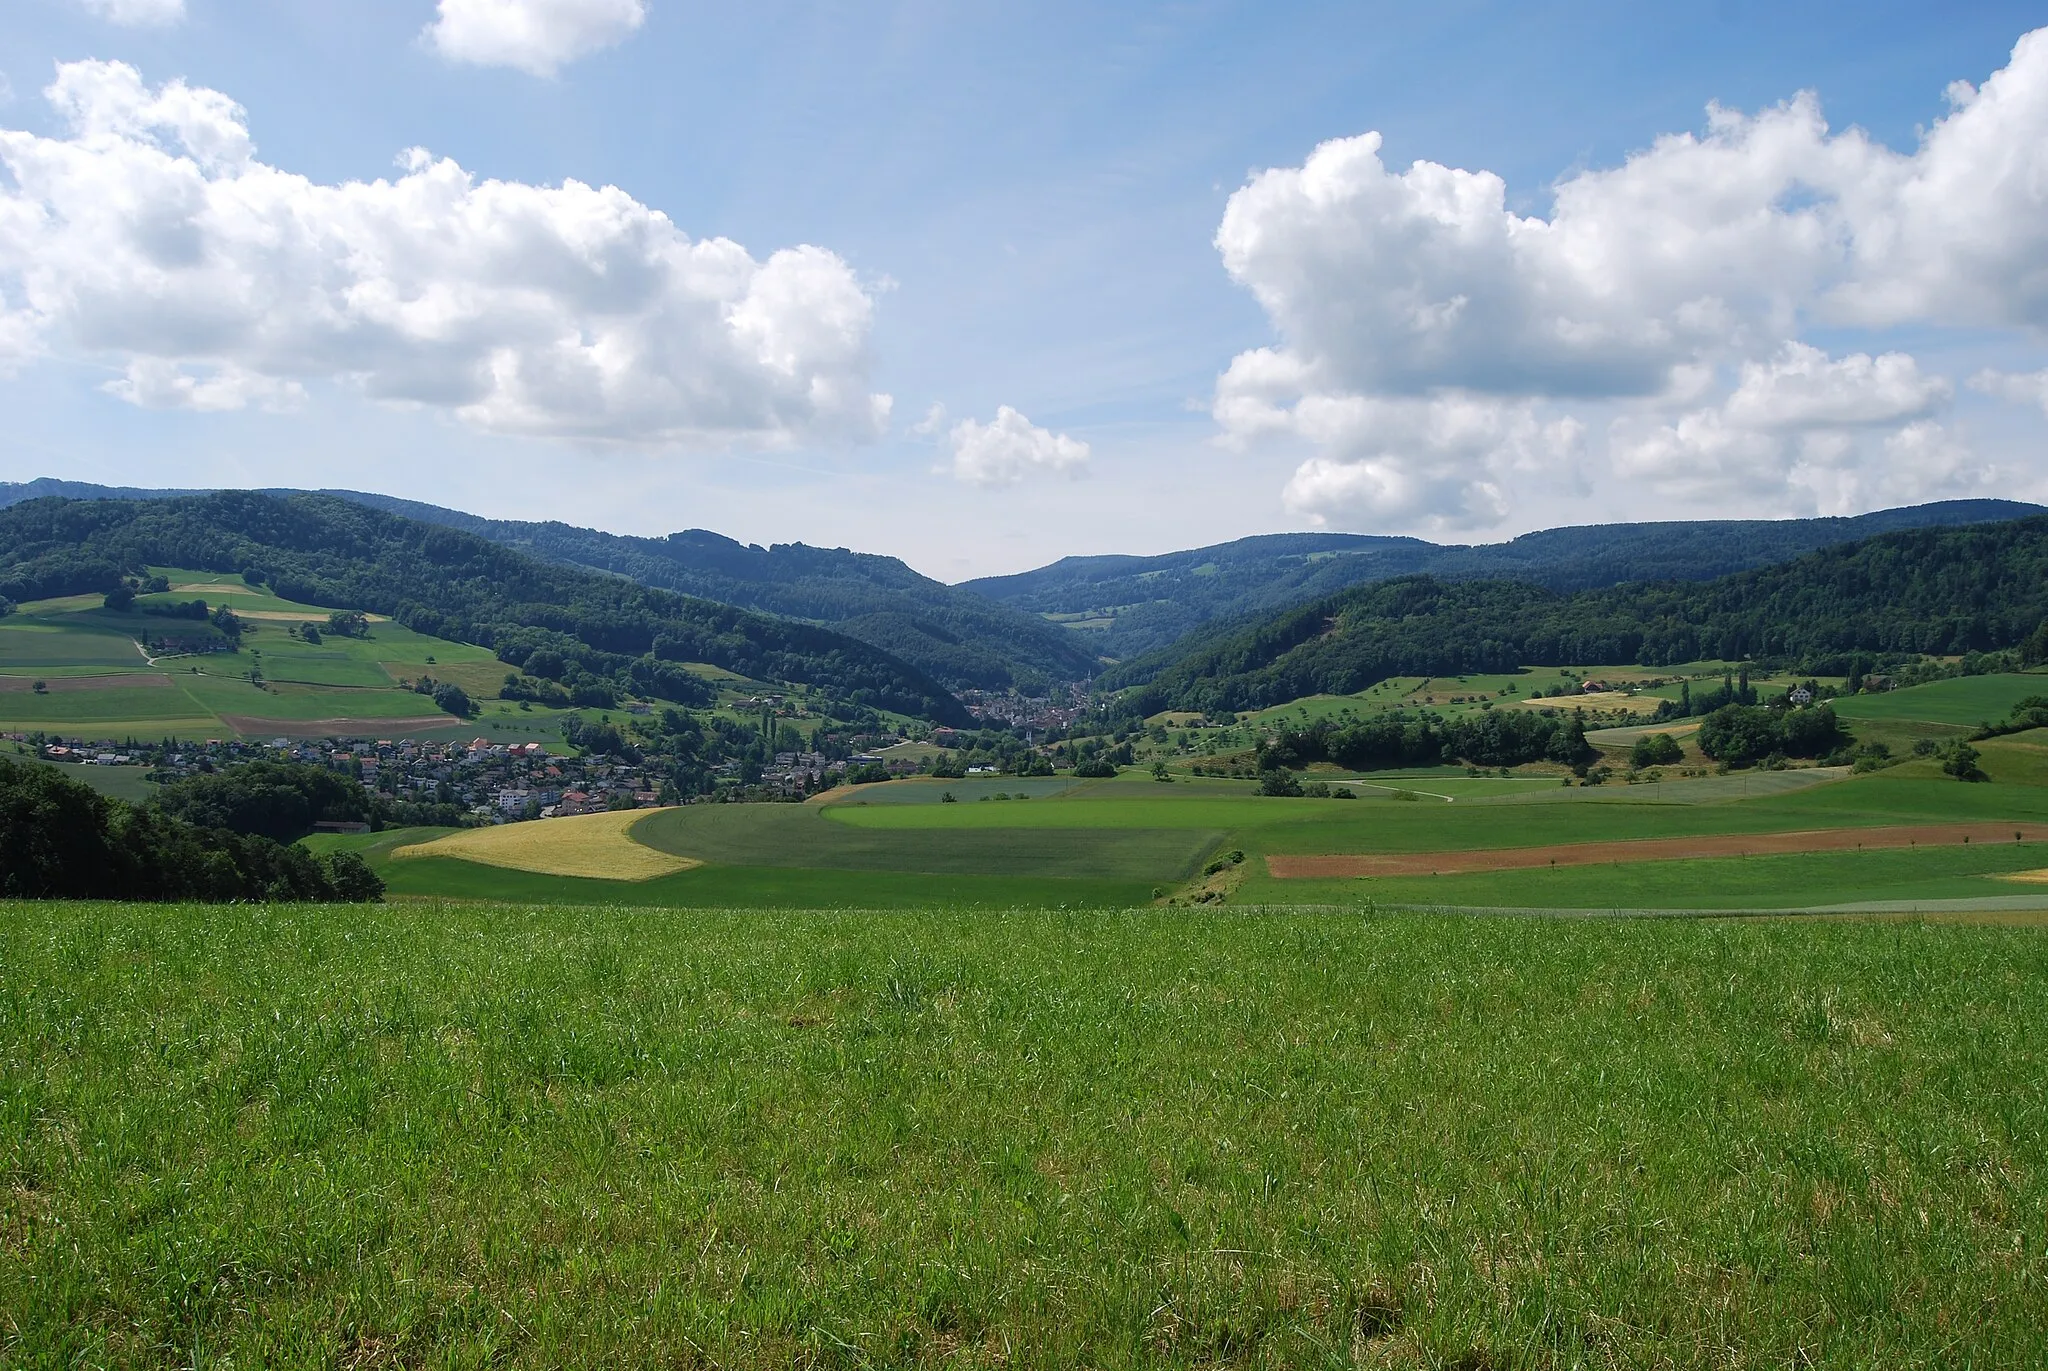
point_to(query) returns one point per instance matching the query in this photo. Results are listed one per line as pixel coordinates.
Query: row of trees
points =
(1492, 737)
(64, 840)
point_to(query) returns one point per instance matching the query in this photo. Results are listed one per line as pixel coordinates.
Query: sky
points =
(982, 286)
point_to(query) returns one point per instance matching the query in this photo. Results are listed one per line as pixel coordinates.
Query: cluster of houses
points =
(501, 781)
(496, 781)
(1008, 708)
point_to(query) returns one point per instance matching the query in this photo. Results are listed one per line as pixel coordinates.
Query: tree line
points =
(199, 841)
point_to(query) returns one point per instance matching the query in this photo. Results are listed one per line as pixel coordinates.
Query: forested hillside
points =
(1952, 590)
(1156, 600)
(962, 639)
(327, 551)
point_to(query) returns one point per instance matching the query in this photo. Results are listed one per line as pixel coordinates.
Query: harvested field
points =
(597, 846)
(2038, 876)
(64, 685)
(1652, 850)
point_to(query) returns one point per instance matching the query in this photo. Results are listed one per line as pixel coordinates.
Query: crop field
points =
(597, 846)
(1792, 839)
(98, 684)
(520, 1136)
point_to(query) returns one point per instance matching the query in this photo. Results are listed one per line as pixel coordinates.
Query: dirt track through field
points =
(1652, 850)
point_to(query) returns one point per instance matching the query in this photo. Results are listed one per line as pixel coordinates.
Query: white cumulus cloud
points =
(1010, 447)
(137, 13)
(538, 36)
(1445, 462)
(1810, 432)
(1691, 267)
(2023, 388)
(154, 236)
(1802, 387)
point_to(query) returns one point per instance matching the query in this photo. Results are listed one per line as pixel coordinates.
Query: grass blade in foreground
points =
(533, 1137)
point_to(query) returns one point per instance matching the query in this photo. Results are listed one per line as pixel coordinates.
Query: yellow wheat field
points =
(593, 845)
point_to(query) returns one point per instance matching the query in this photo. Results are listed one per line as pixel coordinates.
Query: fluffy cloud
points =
(1700, 257)
(537, 36)
(1803, 388)
(1010, 447)
(2025, 388)
(1439, 462)
(1809, 432)
(138, 13)
(152, 234)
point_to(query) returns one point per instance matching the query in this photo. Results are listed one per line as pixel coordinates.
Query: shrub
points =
(1655, 749)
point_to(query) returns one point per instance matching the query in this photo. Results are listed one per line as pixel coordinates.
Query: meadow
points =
(518, 1136)
(98, 683)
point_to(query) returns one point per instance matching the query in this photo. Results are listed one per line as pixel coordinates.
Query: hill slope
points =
(1948, 590)
(960, 638)
(322, 550)
(1155, 600)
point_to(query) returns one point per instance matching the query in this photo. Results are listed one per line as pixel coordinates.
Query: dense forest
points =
(325, 551)
(1951, 590)
(963, 640)
(1160, 599)
(64, 840)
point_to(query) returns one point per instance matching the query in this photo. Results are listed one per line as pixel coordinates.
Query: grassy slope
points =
(348, 679)
(529, 1137)
(1967, 700)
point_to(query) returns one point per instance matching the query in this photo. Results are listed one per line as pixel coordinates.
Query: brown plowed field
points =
(1651, 850)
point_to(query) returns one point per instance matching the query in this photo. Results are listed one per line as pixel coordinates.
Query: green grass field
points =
(1127, 841)
(352, 682)
(520, 1136)
(1965, 701)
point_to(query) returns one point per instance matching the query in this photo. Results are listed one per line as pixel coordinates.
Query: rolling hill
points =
(1138, 605)
(321, 550)
(1930, 590)
(960, 638)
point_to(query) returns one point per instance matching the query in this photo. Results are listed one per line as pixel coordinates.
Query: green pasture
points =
(837, 838)
(62, 711)
(29, 644)
(524, 1136)
(971, 790)
(1082, 813)
(349, 680)
(718, 886)
(1964, 700)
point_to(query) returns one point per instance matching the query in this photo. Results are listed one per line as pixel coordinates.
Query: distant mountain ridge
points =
(991, 633)
(323, 550)
(962, 639)
(1953, 590)
(1158, 600)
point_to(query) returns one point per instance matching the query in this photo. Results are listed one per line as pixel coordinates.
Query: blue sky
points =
(1019, 212)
